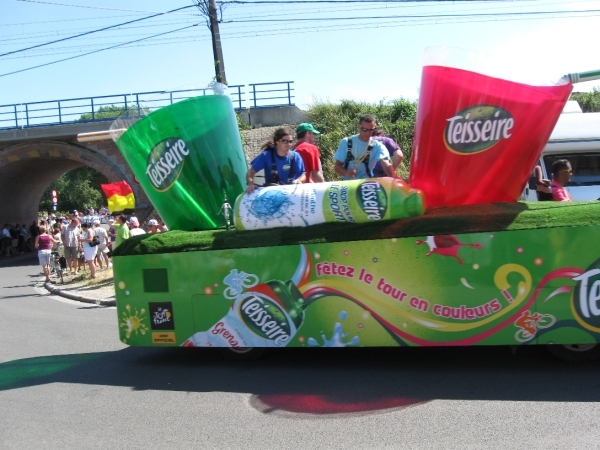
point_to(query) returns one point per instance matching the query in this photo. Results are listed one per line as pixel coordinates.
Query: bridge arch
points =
(27, 169)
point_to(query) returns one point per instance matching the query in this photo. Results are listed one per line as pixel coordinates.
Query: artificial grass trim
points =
(437, 221)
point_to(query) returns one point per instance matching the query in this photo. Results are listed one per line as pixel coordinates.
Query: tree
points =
(116, 111)
(76, 189)
(588, 101)
(336, 121)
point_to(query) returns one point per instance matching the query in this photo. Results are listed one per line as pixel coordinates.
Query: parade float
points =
(449, 259)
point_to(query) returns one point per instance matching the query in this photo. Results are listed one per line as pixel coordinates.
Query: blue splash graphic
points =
(342, 315)
(270, 205)
(336, 340)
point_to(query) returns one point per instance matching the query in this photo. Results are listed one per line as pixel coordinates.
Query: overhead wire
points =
(95, 51)
(405, 20)
(90, 7)
(288, 30)
(321, 9)
(91, 32)
(429, 16)
(288, 2)
(177, 21)
(161, 24)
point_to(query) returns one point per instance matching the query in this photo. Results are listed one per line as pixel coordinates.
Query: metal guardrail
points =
(259, 88)
(107, 107)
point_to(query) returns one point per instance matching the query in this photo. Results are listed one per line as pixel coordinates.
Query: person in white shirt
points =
(102, 253)
(134, 226)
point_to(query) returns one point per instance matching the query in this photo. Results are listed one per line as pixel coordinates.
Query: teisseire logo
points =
(586, 298)
(265, 318)
(477, 128)
(165, 162)
(372, 199)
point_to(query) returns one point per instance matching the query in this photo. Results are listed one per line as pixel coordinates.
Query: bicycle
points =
(56, 268)
(530, 323)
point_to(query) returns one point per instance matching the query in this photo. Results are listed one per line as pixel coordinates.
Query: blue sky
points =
(376, 53)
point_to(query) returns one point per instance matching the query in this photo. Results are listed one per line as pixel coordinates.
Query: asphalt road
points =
(66, 382)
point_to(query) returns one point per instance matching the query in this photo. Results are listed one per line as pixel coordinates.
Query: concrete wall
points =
(272, 116)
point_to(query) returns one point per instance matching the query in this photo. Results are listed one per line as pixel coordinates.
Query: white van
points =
(575, 137)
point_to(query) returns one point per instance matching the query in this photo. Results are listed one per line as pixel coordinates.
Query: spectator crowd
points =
(85, 245)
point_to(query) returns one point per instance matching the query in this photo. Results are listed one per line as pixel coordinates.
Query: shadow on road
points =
(325, 381)
(25, 259)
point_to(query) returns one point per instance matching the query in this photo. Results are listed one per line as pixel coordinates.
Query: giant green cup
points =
(185, 157)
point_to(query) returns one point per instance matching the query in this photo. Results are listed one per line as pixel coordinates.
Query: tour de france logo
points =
(477, 128)
(586, 298)
(165, 163)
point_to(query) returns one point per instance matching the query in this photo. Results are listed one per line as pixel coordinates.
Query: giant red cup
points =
(477, 137)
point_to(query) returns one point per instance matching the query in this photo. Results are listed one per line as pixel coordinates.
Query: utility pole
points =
(209, 9)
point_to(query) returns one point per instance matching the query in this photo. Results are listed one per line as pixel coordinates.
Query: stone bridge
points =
(32, 158)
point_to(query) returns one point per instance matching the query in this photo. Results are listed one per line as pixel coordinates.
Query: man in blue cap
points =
(309, 152)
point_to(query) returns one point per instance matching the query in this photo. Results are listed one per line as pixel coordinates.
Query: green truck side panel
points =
(489, 288)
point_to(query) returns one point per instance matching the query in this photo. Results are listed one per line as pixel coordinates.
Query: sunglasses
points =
(566, 170)
(367, 130)
(286, 141)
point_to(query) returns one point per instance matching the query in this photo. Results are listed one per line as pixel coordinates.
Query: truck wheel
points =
(244, 353)
(575, 352)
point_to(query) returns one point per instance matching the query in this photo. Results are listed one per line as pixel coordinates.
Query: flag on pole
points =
(120, 197)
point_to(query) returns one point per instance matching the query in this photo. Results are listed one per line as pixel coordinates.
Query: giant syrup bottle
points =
(350, 201)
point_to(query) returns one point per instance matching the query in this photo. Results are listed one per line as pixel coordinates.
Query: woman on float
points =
(276, 154)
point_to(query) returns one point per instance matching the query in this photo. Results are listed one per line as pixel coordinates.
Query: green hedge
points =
(396, 117)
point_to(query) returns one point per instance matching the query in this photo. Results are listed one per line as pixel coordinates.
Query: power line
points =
(253, 18)
(19, 24)
(274, 31)
(96, 51)
(405, 19)
(428, 16)
(154, 25)
(87, 7)
(317, 29)
(288, 2)
(93, 31)
(325, 9)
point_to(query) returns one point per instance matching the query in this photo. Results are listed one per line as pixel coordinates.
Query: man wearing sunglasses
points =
(356, 156)
(561, 171)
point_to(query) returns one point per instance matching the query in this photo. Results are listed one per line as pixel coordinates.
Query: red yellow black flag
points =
(120, 197)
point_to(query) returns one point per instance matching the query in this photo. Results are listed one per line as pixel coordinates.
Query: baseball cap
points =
(303, 127)
(96, 222)
(133, 220)
(111, 220)
(152, 222)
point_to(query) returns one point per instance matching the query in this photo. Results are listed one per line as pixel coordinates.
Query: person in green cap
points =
(306, 148)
